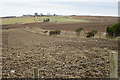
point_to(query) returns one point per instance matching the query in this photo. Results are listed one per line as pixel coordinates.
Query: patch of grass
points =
(61, 19)
(78, 31)
(55, 32)
(45, 31)
(92, 33)
(112, 38)
(18, 20)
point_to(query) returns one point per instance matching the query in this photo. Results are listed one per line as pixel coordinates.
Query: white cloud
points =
(60, 1)
(85, 0)
(19, 7)
(51, 5)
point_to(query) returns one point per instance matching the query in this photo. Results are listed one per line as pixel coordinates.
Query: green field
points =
(61, 19)
(19, 20)
(22, 20)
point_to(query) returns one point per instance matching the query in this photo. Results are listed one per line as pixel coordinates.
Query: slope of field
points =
(22, 20)
(101, 26)
(61, 19)
(95, 18)
(18, 20)
(56, 57)
(67, 23)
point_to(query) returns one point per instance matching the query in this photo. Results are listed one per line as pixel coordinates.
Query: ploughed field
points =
(55, 56)
(63, 56)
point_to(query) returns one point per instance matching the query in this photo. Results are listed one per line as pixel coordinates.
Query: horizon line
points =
(62, 15)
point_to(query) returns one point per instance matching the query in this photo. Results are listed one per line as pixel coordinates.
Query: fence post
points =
(35, 73)
(113, 57)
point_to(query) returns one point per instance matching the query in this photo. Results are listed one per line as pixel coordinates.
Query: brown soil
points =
(56, 57)
(96, 23)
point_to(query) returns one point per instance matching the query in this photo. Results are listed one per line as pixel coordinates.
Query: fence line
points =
(100, 62)
(56, 66)
(113, 62)
(85, 63)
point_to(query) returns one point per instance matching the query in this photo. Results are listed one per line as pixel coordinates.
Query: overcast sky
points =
(60, 7)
